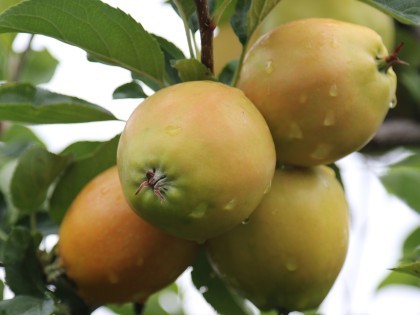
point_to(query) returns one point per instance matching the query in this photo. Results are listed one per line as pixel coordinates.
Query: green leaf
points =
(214, 290)
(129, 90)
(1, 290)
(78, 174)
(398, 278)
(155, 303)
(192, 70)
(21, 102)
(411, 80)
(248, 15)
(172, 53)
(407, 11)
(24, 273)
(228, 72)
(39, 67)
(103, 31)
(35, 172)
(20, 133)
(81, 149)
(403, 179)
(409, 268)
(27, 305)
(411, 246)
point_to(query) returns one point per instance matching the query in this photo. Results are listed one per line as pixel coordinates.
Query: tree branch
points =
(207, 27)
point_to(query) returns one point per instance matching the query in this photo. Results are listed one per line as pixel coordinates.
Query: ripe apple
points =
(195, 159)
(288, 254)
(324, 87)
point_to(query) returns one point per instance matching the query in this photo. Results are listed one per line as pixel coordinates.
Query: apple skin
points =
(352, 11)
(317, 83)
(213, 146)
(291, 250)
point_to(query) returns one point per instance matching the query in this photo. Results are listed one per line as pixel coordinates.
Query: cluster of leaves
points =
(37, 186)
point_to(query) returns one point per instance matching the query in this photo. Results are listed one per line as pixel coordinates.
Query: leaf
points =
(27, 305)
(192, 70)
(403, 179)
(36, 170)
(411, 246)
(248, 15)
(214, 290)
(171, 53)
(412, 268)
(407, 11)
(103, 31)
(39, 67)
(154, 305)
(24, 273)
(228, 72)
(21, 102)
(78, 174)
(1, 290)
(411, 80)
(398, 278)
(20, 133)
(81, 149)
(129, 90)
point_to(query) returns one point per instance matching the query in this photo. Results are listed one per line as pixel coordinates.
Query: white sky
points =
(380, 222)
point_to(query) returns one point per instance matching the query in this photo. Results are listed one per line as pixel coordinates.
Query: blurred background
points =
(380, 221)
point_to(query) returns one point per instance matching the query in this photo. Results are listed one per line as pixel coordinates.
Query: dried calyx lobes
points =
(187, 155)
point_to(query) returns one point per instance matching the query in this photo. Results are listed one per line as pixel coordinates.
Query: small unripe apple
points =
(324, 87)
(195, 159)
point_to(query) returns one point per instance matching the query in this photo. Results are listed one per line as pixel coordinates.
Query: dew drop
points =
(203, 289)
(329, 119)
(291, 265)
(199, 211)
(303, 98)
(113, 278)
(231, 205)
(246, 221)
(393, 103)
(172, 130)
(269, 67)
(295, 132)
(333, 90)
(321, 151)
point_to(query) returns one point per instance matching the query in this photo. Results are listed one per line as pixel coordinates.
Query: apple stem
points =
(207, 26)
(156, 181)
(392, 59)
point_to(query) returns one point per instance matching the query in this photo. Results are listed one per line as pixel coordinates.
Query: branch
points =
(207, 27)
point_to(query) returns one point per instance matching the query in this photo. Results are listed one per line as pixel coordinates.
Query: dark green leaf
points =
(228, 72)
(24, 273)
(238, 20)
(407, 11)
(123, 309)
(192, 70)
(403, 180)
(103, 31)
(129, 90)
(37, 169)
(257, 12)
(23, 102)
(39, 67)
(214, 290)
(411, 80)
(171, 53)
(1, 290)
(20, 133)
(186, 10)
(65, 292)
(27, 305)
(78, 174)
(398, 278)
(412, 268)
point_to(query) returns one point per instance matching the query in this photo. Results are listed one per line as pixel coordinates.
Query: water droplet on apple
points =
(199, 211)
(113, 278)
(321, 151)
(267, 188)
(295, 132)
(203, 289)
(231, 204)
(269, 67)
(246, 221)
(333, 90)
(393, 103)
(303, 98)
(291, 265)
(329, 119)
(172, 130)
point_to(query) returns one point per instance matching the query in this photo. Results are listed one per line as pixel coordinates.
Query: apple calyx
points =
(156, 181)
(392, 59)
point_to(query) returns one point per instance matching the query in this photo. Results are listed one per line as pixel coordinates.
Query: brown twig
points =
(207, 27)
(21, 62)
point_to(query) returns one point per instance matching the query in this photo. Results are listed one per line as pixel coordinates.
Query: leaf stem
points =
(19, 65)
(239, 67)
(207, 27)
(186, 28)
